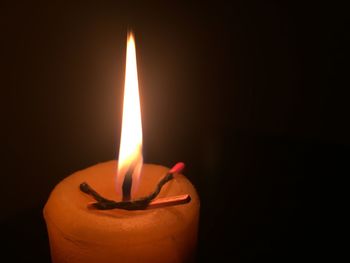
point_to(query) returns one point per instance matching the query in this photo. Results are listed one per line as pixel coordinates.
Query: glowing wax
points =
(160, 235)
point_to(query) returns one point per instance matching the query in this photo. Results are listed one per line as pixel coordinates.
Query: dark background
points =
(251, 95)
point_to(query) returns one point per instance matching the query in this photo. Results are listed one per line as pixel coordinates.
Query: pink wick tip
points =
(177, 168)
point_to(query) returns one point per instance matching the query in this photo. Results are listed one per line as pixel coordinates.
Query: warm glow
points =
(130, 151)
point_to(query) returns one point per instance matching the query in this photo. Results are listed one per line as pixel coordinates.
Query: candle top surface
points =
(67, 205)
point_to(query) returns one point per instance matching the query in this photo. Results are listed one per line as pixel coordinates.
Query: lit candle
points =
(115, 223)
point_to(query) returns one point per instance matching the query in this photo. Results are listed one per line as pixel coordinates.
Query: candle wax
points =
(78, 234)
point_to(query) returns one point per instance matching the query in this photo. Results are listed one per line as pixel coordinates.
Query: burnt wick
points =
(146, 202)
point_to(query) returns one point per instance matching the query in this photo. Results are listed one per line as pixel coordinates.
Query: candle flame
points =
(130, 150)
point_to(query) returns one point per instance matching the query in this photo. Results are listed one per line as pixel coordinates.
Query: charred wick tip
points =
(84, 187)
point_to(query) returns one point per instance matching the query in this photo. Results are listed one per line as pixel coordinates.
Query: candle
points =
(163, 229)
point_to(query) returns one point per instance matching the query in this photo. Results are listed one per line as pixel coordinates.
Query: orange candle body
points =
(78, 234)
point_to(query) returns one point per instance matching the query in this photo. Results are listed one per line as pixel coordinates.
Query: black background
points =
(251, 95)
